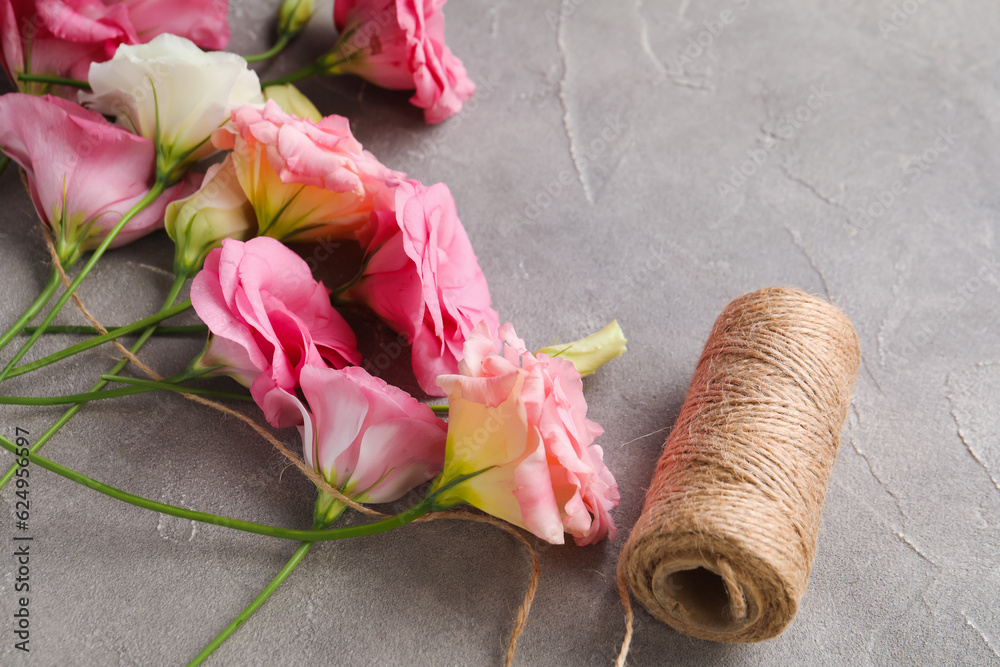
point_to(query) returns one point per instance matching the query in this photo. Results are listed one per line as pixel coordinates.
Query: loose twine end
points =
(737, 604)
(629, 619)
(521, 620)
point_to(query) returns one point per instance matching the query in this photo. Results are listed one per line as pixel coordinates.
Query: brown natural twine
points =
(521, 620)
(725, 541)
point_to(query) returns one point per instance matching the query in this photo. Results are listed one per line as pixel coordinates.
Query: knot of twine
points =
(726, 538)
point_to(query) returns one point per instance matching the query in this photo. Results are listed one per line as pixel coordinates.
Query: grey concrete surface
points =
(598, 175)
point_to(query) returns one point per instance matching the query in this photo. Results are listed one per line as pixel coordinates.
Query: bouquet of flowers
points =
(129, 119)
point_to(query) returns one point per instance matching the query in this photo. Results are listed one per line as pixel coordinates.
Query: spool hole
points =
(703, 595)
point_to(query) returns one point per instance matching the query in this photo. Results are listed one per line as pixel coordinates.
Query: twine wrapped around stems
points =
(723, 547)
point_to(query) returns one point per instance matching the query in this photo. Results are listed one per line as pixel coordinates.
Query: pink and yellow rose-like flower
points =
(268, 318)
(306, 180)
(522, 421)
(368, 439)
(423, 278)
(399, 44)
(83, 172)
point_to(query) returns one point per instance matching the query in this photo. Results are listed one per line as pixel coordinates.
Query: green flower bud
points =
(589, 353)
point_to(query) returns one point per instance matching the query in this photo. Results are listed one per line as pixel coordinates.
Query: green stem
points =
(72, 398)
(336, 294)
(4, 161)
(100, 384)
(308, 70)
(32, 310)
(423, 507)
(278, 47)
(290, 566)
(167, 385)
(137, 387)
(162, 330)
(100, 340)
(57, 80)
(440, 409)
(151, 196)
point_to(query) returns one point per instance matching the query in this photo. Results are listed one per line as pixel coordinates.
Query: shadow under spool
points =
(726, 538)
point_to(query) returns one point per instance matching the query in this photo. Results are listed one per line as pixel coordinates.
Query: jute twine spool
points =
(725, 541)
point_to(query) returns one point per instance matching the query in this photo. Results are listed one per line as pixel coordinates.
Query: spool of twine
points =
(724, 545)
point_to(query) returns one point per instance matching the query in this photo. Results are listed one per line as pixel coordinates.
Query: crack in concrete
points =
(797, 240)
(567, 121)
(923, 596)
(968, 447)
(494, 21)
(914, 547)
(871, 468)
(682, 11)
(813, 189)
(691, 83)
(986, 639)
(644, 41)
(871, 376)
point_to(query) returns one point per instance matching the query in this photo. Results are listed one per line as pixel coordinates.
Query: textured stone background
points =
(590, 173)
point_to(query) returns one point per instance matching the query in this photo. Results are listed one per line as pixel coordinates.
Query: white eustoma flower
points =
(170, 91)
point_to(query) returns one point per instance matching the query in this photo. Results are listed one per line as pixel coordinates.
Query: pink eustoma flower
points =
(522, 421)
(399, 44)
(63, 37)
(83, 172)
(306, 180)
(204, 22)
(269, 318)
(368, 439)
(423, 278)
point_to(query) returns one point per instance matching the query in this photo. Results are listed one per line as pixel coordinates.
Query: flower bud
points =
(293, 16)
(292, 101)
(590, 353)
(198, 223)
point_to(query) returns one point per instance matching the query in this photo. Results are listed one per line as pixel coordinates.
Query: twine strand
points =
(521, 620)
(627, 604)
